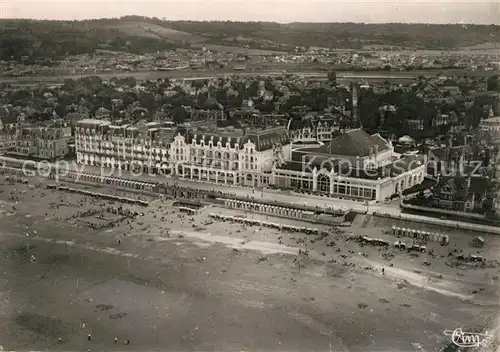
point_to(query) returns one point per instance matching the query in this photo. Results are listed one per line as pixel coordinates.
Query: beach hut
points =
(478, 241)
(444, 239)
(434, 236)
(426, 235)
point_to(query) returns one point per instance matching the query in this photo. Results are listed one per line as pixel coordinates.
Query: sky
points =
(283, 11)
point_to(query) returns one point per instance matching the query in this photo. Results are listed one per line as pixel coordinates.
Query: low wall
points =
(440, 222)
(442, 211)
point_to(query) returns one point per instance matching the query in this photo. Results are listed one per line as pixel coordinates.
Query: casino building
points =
(355, 165)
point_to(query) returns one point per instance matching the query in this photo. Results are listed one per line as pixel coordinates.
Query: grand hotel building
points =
(227, 156)
(354, 165)
(126, 147)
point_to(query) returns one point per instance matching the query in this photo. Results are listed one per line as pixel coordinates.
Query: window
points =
(324, 183)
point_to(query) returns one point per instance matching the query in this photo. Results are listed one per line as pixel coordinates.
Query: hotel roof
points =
(263, 139)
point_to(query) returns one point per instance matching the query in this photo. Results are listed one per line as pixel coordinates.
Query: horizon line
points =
(253, 21)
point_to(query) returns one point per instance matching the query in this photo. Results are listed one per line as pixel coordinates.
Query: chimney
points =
(370, 151)
(376, 150)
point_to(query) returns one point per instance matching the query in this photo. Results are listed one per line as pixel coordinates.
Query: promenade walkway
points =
(389, 210)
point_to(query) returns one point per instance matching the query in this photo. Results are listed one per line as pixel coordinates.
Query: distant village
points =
(253, 60)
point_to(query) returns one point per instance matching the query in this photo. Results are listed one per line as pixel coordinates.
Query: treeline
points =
(55, 39)
(34, 41)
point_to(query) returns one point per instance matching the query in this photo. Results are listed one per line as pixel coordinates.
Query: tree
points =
(332, 76)
(493, 84)
(368, 112)
(268, 84)
(179, 114)
(253, 89)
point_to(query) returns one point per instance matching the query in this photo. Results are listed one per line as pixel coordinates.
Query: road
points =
(342, 76)
(290, 197)
(285, 196)
(392, 209)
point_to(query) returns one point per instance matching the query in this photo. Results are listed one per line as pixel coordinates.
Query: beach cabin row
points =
(113, 181)
(420, 235)
(263, 208)
(306, 230)
(100, 195)
(14, 171)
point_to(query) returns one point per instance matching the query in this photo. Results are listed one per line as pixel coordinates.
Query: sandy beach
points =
(166, 280)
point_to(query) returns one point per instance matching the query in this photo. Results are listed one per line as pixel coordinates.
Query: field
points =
(237, 49)
(144, 29)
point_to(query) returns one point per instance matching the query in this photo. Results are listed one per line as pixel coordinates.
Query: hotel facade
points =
(231, 157)
(125, 147)
(48, 143)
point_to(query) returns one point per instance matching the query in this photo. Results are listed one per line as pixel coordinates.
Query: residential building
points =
(302, 131)
(444, 119)
(208, 115)
(11, 121)
(463, 193)
(492, 127)
(42, 143)
(325, 129)
(320, 130)
(8, 140)
(415, 124)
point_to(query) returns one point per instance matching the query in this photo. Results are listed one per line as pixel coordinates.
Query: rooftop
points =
(264, 139)
(461, 188)
(397, 168)
(93, 122)
(492, 119)
(352, 143)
